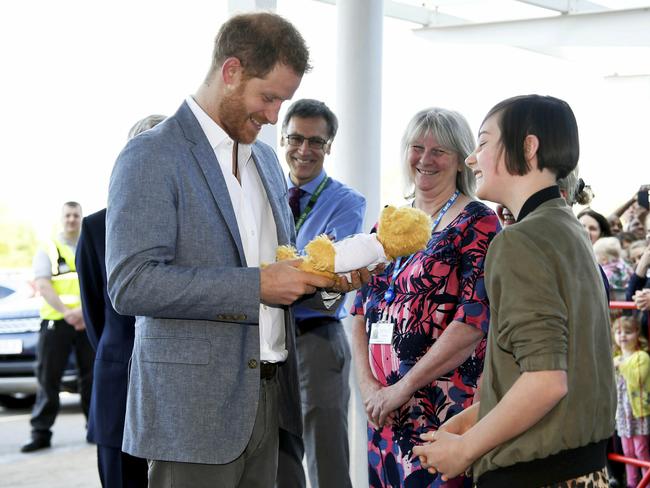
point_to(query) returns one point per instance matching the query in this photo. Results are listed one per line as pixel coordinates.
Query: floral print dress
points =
(438, 285)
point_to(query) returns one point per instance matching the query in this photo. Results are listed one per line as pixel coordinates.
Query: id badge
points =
(381, 332)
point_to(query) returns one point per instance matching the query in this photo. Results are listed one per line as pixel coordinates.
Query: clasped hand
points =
(444, 453)
(381, 401)
(445, 450)
(75, 318)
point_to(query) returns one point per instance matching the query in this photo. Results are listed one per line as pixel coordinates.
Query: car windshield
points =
(17, 296)
(6, 291)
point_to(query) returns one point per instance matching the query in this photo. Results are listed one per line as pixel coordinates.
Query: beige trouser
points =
(254, 468)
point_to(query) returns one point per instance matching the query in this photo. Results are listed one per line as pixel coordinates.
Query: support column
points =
(357, 155)
(358, 96)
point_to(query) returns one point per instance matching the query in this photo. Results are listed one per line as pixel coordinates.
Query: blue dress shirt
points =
(338, 212)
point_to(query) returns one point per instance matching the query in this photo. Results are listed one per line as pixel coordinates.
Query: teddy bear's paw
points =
(282, 253)
(320, 254)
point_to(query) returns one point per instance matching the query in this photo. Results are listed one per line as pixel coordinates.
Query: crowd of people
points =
(480, 359)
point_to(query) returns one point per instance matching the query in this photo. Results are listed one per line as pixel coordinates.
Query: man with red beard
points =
(196, 207)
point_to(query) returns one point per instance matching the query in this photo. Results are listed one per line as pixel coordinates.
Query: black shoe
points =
(35, 445)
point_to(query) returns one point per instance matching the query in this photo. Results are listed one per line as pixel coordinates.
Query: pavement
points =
(71, 462)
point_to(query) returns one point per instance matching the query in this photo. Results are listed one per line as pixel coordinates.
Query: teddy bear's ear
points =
(282, 253)
(387, 212)
(386, 216)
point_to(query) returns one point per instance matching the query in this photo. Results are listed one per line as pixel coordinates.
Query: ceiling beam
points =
(566, 6)
(609, 28)
(416, 14)
(251, 5)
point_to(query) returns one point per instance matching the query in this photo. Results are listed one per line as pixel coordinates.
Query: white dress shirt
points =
(255, 221)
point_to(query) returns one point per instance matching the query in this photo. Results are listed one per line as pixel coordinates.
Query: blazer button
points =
(252, 363)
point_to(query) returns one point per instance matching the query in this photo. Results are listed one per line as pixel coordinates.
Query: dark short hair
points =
(627, 237)
(71, 204)
(145, 124)
(260, 40)
(308, 108)
(605, 230)
(548, 118)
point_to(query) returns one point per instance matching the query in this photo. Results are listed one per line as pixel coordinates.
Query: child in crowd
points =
(636, 250)
(632, 365)
(609, 254)
(626, 239)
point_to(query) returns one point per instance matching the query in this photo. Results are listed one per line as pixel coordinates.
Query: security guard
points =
(62, 328)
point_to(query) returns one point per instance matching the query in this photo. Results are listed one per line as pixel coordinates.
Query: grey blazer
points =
(175, 260)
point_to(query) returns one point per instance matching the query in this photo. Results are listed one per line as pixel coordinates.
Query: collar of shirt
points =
(536, 199)
(68, 242)
(217, 137)
(249, 201)
(310, 187)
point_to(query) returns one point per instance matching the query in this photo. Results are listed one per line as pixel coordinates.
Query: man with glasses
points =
(320, 205)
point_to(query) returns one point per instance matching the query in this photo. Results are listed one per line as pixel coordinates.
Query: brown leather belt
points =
(268, 370)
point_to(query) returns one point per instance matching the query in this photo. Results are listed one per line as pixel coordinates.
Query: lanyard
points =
(389, 295)
(444, 209)
(310, 204)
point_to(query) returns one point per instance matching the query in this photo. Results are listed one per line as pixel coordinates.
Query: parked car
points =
(19, 329)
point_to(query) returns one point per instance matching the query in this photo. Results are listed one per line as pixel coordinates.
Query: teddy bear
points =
(401, 231)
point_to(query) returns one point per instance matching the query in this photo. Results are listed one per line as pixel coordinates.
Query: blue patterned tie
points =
(295, 194)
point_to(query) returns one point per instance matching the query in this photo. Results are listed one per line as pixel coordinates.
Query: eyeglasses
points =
(313, 142)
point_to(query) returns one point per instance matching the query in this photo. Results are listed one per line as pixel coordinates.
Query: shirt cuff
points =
(543, 362)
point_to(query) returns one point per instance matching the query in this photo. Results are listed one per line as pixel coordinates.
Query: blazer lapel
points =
(273, 184)
(207, 161)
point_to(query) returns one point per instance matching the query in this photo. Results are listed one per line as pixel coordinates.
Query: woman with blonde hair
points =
(419, 330)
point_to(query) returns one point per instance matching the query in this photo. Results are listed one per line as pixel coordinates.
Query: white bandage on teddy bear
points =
(400, 232)
(358, 251)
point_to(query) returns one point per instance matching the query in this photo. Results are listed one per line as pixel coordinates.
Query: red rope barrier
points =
(634, 462)
(622, 305)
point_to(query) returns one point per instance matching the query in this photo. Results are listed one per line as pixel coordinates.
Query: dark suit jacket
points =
(110, 333)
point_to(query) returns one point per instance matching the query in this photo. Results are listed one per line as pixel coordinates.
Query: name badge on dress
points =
(381, 332)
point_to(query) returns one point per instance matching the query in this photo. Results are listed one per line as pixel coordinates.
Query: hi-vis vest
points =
(64, 280)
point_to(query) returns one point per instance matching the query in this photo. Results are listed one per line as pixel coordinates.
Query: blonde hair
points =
(452, 131)
(637, 244)
(609, 248)
(629, 323)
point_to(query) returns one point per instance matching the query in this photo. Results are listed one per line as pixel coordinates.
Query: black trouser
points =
(56, 340)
